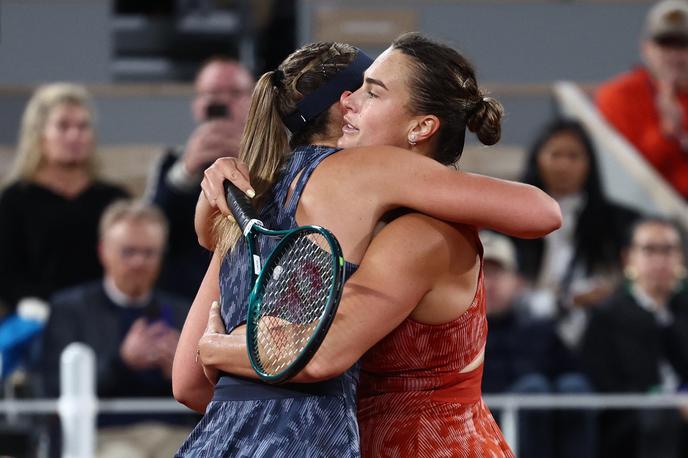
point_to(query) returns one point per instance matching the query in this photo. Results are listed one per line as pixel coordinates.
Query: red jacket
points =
(628, 103)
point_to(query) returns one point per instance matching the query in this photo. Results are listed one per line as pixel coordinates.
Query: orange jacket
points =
(628, 103)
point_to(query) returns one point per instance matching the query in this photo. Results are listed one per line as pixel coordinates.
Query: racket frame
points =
(326, 317)
(247, 218)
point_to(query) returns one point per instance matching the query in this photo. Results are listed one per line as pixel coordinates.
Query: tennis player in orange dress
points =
(419, 388)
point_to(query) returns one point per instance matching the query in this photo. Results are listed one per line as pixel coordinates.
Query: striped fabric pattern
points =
(406, 407)
(414, 426)
(275, 425)
(314, 427)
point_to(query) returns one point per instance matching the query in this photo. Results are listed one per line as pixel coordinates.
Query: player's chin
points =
(347, 141)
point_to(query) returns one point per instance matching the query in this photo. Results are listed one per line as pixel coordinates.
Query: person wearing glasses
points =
(132, 327)
(637, 342)
(222, 93)
(648, 104)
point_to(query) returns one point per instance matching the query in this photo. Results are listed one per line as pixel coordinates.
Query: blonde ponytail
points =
(264, 144)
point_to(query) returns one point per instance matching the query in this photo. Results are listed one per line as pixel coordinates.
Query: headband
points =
(349, 79)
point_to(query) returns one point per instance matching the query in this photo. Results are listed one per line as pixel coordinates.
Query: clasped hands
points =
(149, 346)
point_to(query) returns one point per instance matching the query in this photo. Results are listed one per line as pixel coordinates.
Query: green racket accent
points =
(294, 302)
(295, 295)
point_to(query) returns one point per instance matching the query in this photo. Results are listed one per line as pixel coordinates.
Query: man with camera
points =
(222, 97)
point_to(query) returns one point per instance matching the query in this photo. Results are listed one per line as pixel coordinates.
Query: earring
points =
(412, 139)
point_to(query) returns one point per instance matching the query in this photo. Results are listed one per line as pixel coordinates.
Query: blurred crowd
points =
(598, 306)
(83, 261)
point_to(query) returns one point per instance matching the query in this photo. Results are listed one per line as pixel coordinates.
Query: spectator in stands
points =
(649, 104)
(132, 328)
(525, 355)
(578, 264)
(51, 204)
(223, 92)
(637, 341)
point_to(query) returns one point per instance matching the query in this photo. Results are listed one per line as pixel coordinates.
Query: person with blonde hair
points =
(53, 198)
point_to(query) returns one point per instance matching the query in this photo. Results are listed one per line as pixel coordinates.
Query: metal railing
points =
(511, 404)
(78, 406)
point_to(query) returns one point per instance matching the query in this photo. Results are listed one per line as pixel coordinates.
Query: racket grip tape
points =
(240, 205)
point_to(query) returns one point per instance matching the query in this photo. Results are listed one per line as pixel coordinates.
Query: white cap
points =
(498, 248)
(668, 19)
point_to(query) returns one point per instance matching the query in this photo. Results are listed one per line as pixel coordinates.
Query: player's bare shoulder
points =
(425, 237)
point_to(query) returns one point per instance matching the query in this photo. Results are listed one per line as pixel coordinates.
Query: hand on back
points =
(208, 343)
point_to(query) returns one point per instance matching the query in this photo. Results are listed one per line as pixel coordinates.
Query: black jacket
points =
(624, 343)
(49, 242)
(185, 261)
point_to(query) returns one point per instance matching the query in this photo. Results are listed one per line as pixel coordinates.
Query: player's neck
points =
(324, 141)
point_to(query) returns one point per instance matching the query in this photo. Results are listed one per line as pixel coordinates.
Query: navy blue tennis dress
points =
(249, 418)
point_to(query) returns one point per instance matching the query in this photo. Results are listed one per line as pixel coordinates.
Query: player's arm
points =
(212, 201)
(400, 266)
(395, 177)
(219, 351)
(190, 386)
(392, 278)
(401, 178)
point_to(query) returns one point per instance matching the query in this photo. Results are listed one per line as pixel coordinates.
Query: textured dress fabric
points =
(415, 402)
(249, 418)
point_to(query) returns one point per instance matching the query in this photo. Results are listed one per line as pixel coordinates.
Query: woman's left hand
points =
(208, 343)
(212, 198)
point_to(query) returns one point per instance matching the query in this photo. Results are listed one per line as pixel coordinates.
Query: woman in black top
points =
(52, 202)
(579, 264)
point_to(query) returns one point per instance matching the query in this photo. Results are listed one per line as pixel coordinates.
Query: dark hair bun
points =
(485, 120)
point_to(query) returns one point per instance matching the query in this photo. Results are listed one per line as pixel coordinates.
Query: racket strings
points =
(296, 292)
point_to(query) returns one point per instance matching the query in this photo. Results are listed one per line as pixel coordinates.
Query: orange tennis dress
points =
(414, 402)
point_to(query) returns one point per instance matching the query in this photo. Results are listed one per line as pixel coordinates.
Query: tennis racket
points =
(297, 287)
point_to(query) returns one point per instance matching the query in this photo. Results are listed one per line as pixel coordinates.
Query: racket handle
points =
(240, 205)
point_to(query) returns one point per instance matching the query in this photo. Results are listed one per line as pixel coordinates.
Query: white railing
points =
(77, 403)
(78, 407)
